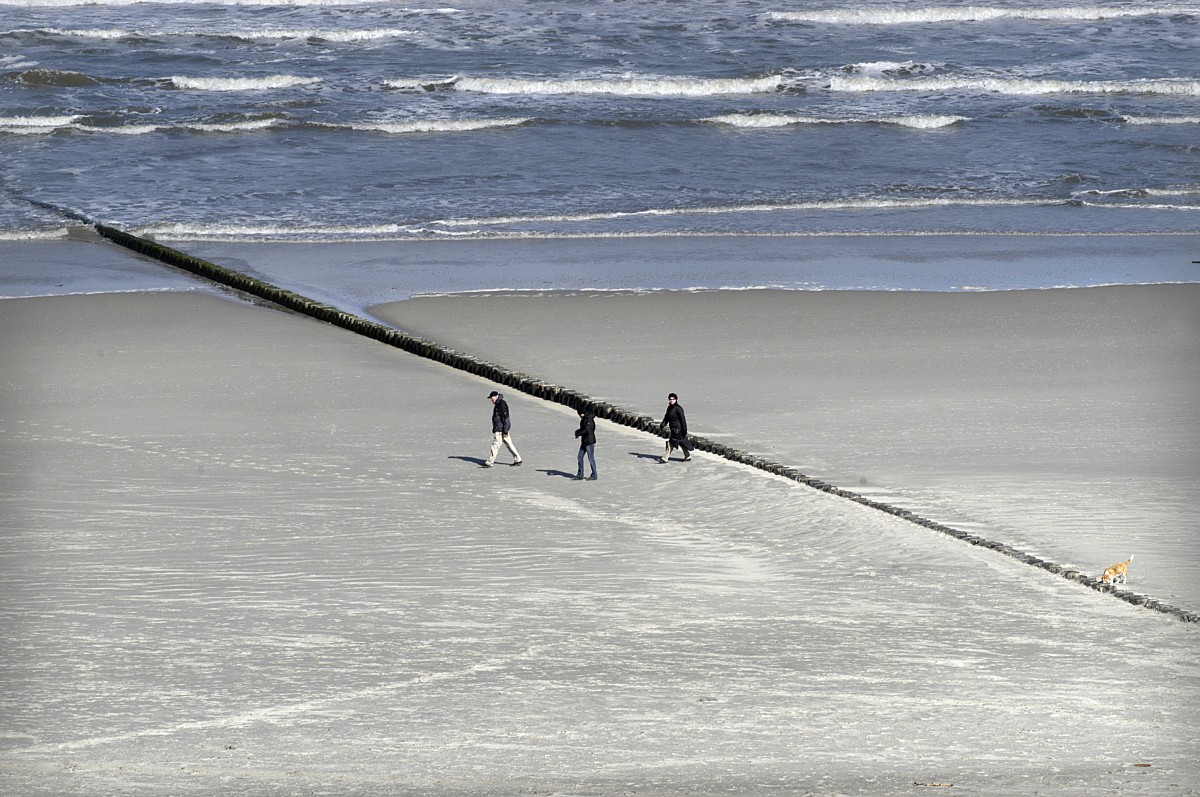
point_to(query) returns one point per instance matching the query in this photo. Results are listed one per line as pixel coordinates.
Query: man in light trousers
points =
(501, 425)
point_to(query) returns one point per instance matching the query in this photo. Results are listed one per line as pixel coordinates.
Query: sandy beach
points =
(1063, 422)
(248, 553)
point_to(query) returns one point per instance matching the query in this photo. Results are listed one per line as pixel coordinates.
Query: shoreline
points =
(371, 273)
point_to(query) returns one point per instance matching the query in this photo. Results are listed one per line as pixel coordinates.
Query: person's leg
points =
(513, 449)
(591, 452)
(579, 473)
(495, 448)
(667, 453)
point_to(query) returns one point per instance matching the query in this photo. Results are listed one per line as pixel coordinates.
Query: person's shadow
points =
(563, 473)
(640, 455)
(472, 460)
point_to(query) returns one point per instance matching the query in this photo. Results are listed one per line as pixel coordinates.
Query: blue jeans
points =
(591, 455)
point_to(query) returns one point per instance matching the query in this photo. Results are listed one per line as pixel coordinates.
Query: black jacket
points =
(676, 421)
(500, 420)
(587, 430)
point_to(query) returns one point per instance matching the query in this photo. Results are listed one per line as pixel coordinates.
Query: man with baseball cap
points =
(501, 425)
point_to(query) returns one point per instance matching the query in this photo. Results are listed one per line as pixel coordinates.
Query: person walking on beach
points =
(501, 426)
(587, 442)
(676, 424)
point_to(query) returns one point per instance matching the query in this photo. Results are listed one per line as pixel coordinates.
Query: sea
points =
(250, 122)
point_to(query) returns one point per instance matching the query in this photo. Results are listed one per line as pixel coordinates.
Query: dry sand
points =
(247, 553)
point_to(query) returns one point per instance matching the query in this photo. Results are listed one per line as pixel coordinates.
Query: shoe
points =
(486, 465)
(688, 458)
(578, 477)
(593, 478)
(518, 462)
(662, 460)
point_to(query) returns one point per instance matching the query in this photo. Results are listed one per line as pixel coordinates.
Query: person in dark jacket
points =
(675, 422)
(587, 442)
(501, 426)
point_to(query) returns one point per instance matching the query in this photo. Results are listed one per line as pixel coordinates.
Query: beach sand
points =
(1063, 422)
(248, 553)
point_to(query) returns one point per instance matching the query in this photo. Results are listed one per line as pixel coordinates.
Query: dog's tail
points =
(1130, 559)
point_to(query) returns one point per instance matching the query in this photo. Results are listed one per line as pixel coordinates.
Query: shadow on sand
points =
(562, 473)
(473, 460)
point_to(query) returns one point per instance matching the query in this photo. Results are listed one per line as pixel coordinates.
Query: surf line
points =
(547, 391)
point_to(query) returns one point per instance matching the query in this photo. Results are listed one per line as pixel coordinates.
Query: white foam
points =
(767, 120)
(37, 121)
(34, 125)
(893, 15)
(889, 68)
(92, 33)
(203, 232)
(235, 127)
(35, 235)
(833, 204)
(141, 130)
(370, 34)
(1129, 206)
(1113, 192)
(434, 125)
(630, 87)
(121, 130)
(242, 84)
(1161, 120)
(860, 83)
(340, 36)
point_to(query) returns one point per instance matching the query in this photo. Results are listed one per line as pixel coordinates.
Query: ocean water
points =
(358, 121)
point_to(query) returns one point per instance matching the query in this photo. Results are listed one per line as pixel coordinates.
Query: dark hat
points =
(493, 394)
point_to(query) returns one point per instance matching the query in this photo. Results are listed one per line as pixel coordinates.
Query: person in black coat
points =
(501, 426)
(675, 422)
(587, 442)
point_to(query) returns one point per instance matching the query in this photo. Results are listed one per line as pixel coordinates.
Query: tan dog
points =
(1118, 573)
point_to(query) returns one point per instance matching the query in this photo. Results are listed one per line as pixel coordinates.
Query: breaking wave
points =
(909, 16)
(433, 125)
(93, 33)
(244, 232)
(1161, 120)
(35, 235)
(768, 120)
(831, 204)
(266, 34)
(242, 84)
(629, 87)
(860, 83)
(35, 124)
(32, 125)
(339, 36)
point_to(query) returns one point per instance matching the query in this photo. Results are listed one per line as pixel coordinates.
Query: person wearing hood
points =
(501, 426)
(587, 442)
(675, 422)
